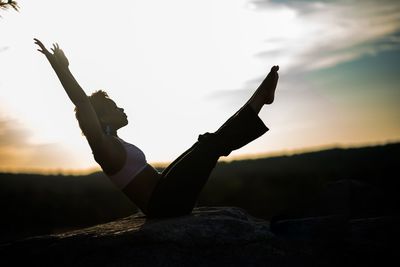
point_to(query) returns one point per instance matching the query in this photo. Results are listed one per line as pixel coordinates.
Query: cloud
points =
(11, 133)
(4, 48)
(322, 34)
(18, 153)
(13, 141)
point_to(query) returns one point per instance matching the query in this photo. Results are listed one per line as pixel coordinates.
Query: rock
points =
(221, 236)
(215, 236)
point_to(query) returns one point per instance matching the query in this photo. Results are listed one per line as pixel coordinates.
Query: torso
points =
(139, 190)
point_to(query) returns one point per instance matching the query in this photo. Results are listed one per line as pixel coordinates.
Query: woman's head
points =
(110, 116)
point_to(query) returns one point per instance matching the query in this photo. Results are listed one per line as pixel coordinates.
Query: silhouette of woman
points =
(173, 192)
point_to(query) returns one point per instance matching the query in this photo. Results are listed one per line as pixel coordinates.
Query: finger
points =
(37, 41)
(44, 52)
(40, 44)
(43, 49)
(58, 47)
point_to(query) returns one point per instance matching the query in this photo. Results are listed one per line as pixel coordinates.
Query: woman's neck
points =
(110, 131)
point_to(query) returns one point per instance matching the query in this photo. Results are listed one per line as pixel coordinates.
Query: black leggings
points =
(182, 181)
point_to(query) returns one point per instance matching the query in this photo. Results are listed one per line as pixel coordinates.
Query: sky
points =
(180, 68)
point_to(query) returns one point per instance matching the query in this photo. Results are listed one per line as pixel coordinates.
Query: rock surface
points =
(217, 236)
(209, 236)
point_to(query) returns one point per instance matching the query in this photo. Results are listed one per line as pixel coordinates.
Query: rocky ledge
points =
(217, 236)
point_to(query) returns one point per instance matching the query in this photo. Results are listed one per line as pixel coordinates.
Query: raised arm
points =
(60, 64)
(88, 119)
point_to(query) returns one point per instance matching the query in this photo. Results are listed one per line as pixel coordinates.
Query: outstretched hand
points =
(57, 56)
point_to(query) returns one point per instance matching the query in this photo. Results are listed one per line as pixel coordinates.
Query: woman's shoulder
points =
(112, 155)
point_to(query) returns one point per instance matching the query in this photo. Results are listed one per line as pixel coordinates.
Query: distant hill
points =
(38, 204)
(266, 187)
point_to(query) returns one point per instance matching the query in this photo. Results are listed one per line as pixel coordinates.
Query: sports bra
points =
(135, 162)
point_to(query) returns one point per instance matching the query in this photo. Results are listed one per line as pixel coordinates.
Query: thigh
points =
(194, 164)
(181, 183)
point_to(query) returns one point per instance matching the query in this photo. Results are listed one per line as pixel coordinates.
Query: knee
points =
(213, 142)
(208, 139)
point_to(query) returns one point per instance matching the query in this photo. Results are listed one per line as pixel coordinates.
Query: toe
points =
(274, 68)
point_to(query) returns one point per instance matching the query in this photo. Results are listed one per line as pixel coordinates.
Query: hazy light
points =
(165, 61)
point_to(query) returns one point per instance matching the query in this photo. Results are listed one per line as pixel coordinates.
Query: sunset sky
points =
(180, 68)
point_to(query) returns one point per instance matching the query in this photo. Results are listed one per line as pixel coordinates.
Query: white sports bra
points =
(135, 162)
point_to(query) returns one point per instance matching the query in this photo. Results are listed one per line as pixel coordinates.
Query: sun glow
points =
(179, 68)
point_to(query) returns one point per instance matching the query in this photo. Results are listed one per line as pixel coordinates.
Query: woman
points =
(173, 192)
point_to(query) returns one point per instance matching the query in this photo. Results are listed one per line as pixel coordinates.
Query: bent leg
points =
(177, 192)
(179, 188)
(181, 183)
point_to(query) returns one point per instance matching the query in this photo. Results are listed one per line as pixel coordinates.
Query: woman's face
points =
(114, 115)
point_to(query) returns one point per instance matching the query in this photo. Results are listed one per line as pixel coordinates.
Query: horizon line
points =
(272, 154)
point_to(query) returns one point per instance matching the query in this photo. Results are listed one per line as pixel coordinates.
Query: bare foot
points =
(266, 90)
